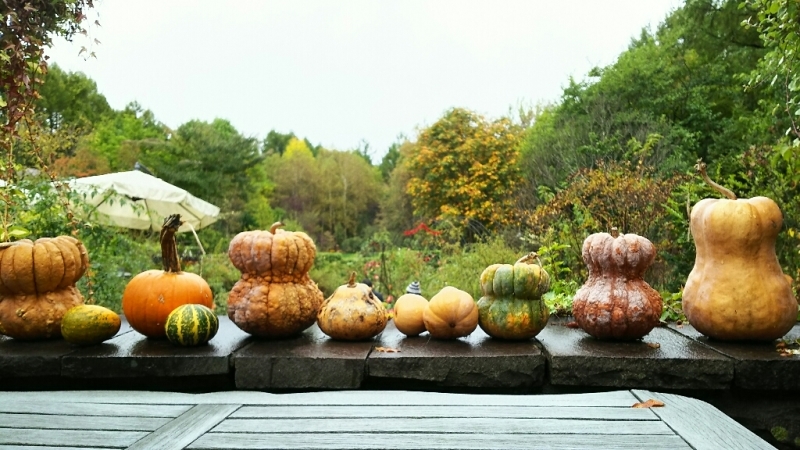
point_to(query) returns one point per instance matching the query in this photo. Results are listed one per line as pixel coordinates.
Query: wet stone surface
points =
(757, 365)
(311, 360)
(473, 361)
(132, 355)
(664, 359)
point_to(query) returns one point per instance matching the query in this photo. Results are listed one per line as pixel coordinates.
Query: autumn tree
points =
(464, 169)
(295, 175)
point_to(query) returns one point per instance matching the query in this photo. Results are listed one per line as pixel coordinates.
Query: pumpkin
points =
(511, 306)
(450, 314)
(352, 312)
(275, 297)
(736, 289)
(150, 296)
(276, 255)
(28, 267)
(36, 316)
(190, 325)
(89, 324)
(408, 310)
(615, 302)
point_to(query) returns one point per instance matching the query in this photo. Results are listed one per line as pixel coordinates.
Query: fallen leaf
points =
(654, 345)
(652, 403)
(572, 324)
(387, 349)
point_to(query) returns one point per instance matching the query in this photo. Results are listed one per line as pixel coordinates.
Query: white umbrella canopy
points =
(140, 201)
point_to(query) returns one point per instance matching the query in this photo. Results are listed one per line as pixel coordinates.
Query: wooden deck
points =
(362, 419)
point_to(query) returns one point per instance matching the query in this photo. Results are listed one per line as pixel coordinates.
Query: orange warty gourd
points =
(736, 289)
(450, 314)
(37, 285)
(352, 312)
(150, 296)
(275, 296)
(616, 302)
(408, 310)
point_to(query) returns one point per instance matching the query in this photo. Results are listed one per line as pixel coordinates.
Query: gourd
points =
(352, 312)
(511, 306)
(615, 302)
(37, 285)
(408, 310)
(89, 324)
(275, 297)
(450, 314)
(191, 325)
(736, 289)
(152, 295)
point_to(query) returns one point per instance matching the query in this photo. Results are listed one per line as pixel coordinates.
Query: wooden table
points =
(362, 419)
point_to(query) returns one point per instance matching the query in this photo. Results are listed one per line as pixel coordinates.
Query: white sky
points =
(342, 71)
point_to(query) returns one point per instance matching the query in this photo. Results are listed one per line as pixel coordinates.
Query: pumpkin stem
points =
(700, 167)
(530, 258)
(352, 282)
(614, 232)
(275, 227)
(169, 248)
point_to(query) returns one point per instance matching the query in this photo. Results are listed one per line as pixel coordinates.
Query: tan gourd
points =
(352, 312)
(451, 314)
(737, 290)
(408, 310)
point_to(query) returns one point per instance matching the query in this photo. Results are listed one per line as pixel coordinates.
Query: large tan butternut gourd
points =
(736, 290)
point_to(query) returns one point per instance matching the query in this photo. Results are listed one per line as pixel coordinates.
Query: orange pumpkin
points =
(37, 316)
(28, 267)
(450, 314)
(276, 255)
(151, 295)
(408, 310)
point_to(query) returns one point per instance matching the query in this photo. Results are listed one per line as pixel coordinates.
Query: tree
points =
(119, 137)
(389, 161)
(464, 169)
(396, 209)
(70, 99)
(297, 180)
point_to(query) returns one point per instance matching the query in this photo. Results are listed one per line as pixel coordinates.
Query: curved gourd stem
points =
(700, 167)
(169, 248)
(530, 258)
(352, 282)
(614, 232)
(275, 227)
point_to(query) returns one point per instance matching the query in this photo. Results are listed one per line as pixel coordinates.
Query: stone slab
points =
(311, 360)
(664, 359)
(38, 359)
(475, 361)
(757, 365)
(133, 355)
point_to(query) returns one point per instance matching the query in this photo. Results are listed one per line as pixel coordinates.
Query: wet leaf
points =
(652, 403)
(654, 345)
(572, 324)
(387, 350)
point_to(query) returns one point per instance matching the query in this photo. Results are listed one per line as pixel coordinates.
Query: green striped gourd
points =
(511, 306)
(191, 324)
(89, 324)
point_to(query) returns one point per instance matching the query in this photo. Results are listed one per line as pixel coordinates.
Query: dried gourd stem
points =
(169, 248)
(530, 258)
(700, 167)
(352, 282)
(275, 227)
(614, 232)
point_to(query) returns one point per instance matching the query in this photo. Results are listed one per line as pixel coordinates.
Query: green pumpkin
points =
(191, 324)
(512, 305)
(89, 324)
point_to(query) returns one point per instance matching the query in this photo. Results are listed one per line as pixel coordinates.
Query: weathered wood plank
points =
(48, 421)
(382, 412)
(184, 430)
(309, 361)
(614, 398)
(702, 425)
(40, 447)
(577, 359)
(92, 409)
(473, 361)
(134, 355)
(433, 441)
(76, 438)
(444, 425)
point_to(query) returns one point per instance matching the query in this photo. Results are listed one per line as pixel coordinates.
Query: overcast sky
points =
(340, 72)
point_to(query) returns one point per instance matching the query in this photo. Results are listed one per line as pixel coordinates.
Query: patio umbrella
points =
(140, 201)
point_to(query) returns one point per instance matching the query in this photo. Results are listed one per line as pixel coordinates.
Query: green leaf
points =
(18, 232)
